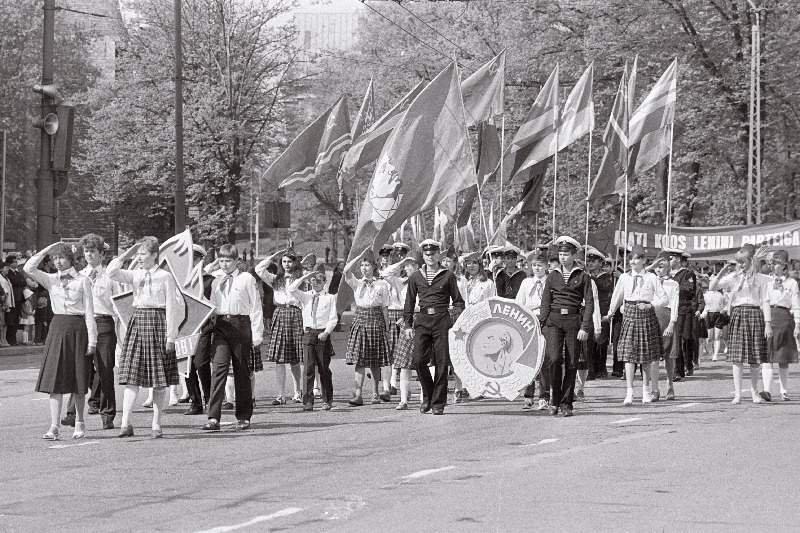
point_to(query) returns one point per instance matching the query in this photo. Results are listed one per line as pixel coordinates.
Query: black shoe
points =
(676, 379)
(425, 407)
(690, 372)
(108, 423)
(308, 406)
(553, 410)
(385, 396)
(393, 391)
(767, 397)
(184, 400)
(194, 410)
(227, 406)
(68, 420)
(242, 425)
(93, 410)
(566, 411)
(438, 411)
(212, 425)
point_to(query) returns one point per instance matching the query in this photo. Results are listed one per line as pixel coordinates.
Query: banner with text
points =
(712, 243)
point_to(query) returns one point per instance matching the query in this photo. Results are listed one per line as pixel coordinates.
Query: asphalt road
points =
(693, 464)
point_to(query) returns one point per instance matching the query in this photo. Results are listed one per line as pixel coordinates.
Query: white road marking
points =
(423, 473)
(543, 441)
(40, 399)
(59, 446)
(625, 420)
(685, 405)
(257, 520)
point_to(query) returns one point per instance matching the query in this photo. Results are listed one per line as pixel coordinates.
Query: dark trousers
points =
(102, 394)
(317, 359)
(600, 353)
(682, 344)
(231, 344)
(430, 342)
(563, 349)
(198, 384)
(618, 367)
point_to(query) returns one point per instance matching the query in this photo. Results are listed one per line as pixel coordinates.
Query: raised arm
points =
(115, 270)
(31, 268)
(261, 268)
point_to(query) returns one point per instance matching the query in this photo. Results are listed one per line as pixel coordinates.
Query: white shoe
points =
(543, 404)
(173, 400)
(148, 403)
(628, 400)
(647, 398)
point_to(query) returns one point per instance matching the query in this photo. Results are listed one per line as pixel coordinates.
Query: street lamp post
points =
(754, 143)
(180, 191)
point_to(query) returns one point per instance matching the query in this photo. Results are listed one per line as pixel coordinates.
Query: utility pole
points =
(754, 145)
(180, 191)
(45, 182)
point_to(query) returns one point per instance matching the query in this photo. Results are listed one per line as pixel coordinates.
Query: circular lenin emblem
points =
(496, 348)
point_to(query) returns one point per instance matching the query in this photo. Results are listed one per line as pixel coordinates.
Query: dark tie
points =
(537, 288)
(226, 285)
(314, 305)
(637, 282)
(65, 280)
(779, 284)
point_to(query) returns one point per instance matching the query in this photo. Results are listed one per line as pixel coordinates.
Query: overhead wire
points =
(437, 32)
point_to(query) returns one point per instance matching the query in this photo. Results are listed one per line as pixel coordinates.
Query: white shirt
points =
(672, 291)
(324, 316)
(282, 296)
(70, 293)
(530, 294)
(369, 293)
(5, 284)
(239, 296)
(638, 287)
(786, 294)
(751, 289)
(474, 291)
(103, 288)
(153, 288)
(714, 302)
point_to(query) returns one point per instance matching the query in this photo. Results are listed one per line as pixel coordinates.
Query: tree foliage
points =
(238, 74)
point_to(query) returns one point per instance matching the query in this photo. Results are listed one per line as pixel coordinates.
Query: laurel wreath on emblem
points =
(496, 348)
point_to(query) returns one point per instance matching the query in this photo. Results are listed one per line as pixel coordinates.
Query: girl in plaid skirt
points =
(785, 306)
(640, 338)
(72, 338)
(367, 346)
(403, 355)
(286, 332)
(148, 352)
(751, 317)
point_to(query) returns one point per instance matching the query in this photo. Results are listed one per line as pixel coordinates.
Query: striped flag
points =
(658, 109)
(367, 147)
(483, 91)
(316, 150)
(538, 128)
(489, 152)
(364, 120)
(610, 178)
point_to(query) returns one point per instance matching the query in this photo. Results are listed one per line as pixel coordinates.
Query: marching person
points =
(367, 346)
(148, 352)
(751, 317)
(566, 310)
(529, 296)
(198, 383)
(667, 314)
(640, 338)
(403, 355)
(687, 306)
(604, 284)
(474, 287)
(72, 338)
(714, 305)
(437, 289)
(286, 331)
(509, 279)
(238, 327)
(319, 320)
(94, 250)
(785, 307)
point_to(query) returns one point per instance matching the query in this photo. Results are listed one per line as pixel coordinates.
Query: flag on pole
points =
(575, 120)
(316, 150)
(483, 91)
(489, 153)
(426, 159)
(658, 108)
(364, 120)
(530, 203)
(610, 178)
(538, 128)
(367, 147)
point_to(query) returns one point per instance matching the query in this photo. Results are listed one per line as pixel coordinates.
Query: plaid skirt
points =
(65, 369)
(394, 331)
(367, 345)
(404, 352)
(640, 338)
(256, 364)
(286, 339)
(782, 346)
(746, 341)
(144, 360)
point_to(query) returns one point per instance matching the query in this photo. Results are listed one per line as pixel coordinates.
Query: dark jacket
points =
(438, 294)
(576, 293)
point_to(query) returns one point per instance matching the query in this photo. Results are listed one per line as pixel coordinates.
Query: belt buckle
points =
(431, 311)
(564, 311)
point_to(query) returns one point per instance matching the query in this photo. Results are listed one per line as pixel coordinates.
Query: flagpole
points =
(502, 153)
(625, 253)
(588, 188)
(483, 216)
(668, 216)
(555, 181)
